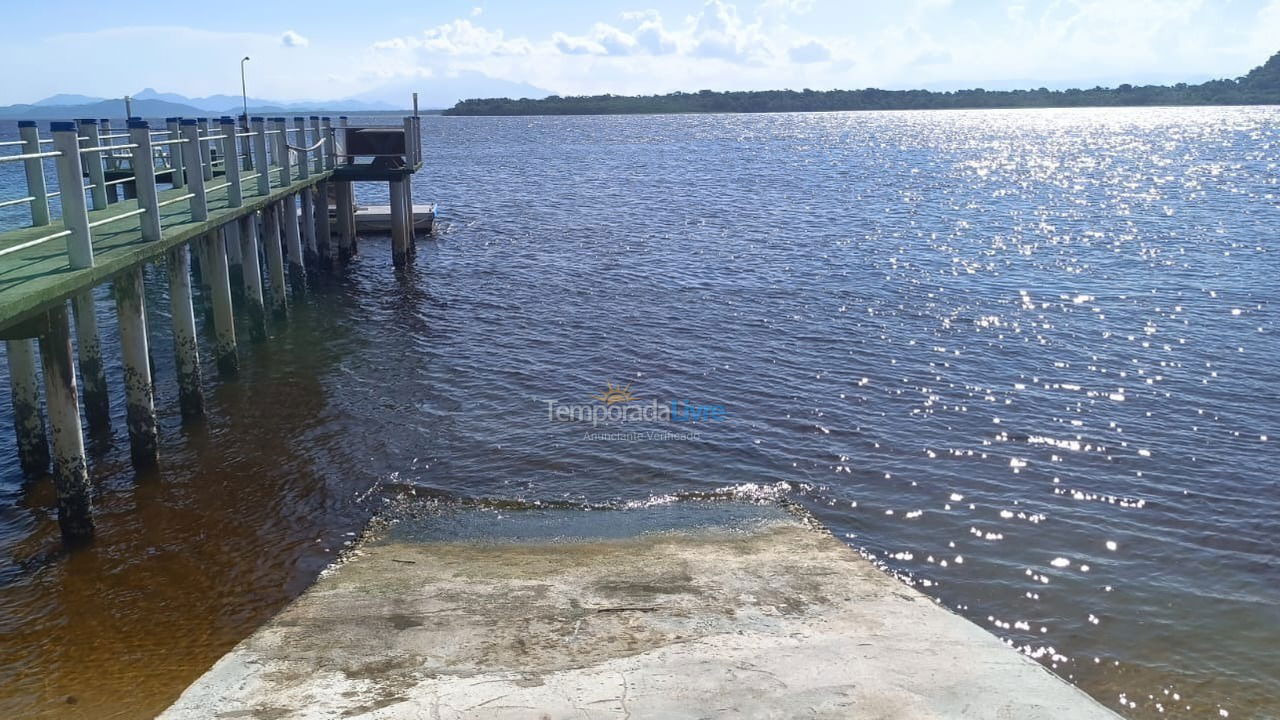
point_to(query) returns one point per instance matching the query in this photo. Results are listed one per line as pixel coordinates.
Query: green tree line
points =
(1260, 87)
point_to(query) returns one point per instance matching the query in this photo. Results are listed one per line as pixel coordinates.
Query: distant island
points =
(1260, 87)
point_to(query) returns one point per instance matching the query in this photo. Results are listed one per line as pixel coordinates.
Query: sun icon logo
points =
(615, 394)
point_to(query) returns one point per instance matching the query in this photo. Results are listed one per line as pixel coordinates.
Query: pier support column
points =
(324, 233)
(70, 469)
(399, 236)
(186, 349)
(408, 214)
(224, 321)
(288, 212)
(275, 260)
(28, 418)
(139, 394)
(93, 374)
(235, 262)
(252, 276)
(346, 222)
(308, 219)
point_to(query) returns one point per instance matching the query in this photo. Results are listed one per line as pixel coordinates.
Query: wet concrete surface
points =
(688, 611)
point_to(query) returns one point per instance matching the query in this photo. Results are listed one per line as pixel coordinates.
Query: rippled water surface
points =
(1027, 360)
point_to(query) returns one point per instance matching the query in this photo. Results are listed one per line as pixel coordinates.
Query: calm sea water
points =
(1025, 360)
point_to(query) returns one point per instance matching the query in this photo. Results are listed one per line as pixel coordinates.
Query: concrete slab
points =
(693, 610)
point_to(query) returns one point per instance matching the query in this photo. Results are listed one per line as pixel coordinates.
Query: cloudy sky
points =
(379, 49)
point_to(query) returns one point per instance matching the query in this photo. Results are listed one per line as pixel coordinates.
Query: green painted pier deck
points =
(39, 277)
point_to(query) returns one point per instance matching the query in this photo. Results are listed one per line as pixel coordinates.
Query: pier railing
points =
(140, 158)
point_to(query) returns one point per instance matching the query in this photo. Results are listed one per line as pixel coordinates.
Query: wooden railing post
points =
(315, 137)
(191, 158)
(204, 128)
(258, 127)
(35, 173)
(304, 169)
(92, 162)
(282, 151)
(75, 214)
(175, 153)
(144, 179)
(231, 162)
(330, 147)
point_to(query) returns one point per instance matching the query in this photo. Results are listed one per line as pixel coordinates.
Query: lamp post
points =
(244, 93)
(244, 119)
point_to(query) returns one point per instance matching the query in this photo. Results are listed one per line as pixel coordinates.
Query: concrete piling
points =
(275, 260)
(224, 322)
(235, 198)
(324, 235)
(139, 393)
(28, 417)
(346, 222)
(70, 469)
(399, 234)
(252, 278)
(93, 374)
(186, 349)
(288, 213)
(407, 187)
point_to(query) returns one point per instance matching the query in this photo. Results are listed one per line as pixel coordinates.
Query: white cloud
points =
(914, 43)
(810, 52)
(293, 39)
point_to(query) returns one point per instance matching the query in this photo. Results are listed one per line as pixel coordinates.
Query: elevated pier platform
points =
(691, 610)
(247, 205)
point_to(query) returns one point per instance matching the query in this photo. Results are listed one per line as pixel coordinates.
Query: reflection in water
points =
(1021, 359)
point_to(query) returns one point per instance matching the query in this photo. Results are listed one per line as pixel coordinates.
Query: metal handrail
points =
(30, 156)
(33, 243)
(18, 201)
(113, 218)
(178, 199)
(106, 148)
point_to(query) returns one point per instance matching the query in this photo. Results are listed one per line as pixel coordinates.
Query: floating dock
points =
(380, 219)
(691, 610)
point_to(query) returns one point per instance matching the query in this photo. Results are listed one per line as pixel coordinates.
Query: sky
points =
(446, 49)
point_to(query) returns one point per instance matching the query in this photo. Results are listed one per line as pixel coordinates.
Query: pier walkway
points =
(246, 212)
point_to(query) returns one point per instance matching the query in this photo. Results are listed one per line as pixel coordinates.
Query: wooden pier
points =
(225, 192)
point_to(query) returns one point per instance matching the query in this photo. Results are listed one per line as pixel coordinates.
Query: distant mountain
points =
(443, 92)
(233, 104)
(67, 99)
(101, 109)
(150, 103)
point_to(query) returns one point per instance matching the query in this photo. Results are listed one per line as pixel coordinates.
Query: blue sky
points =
(378, 49)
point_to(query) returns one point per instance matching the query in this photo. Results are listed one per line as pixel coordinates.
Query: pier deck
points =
(693, 610)
(40, 276)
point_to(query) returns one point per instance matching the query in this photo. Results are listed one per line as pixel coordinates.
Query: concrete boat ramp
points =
(690, 610)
